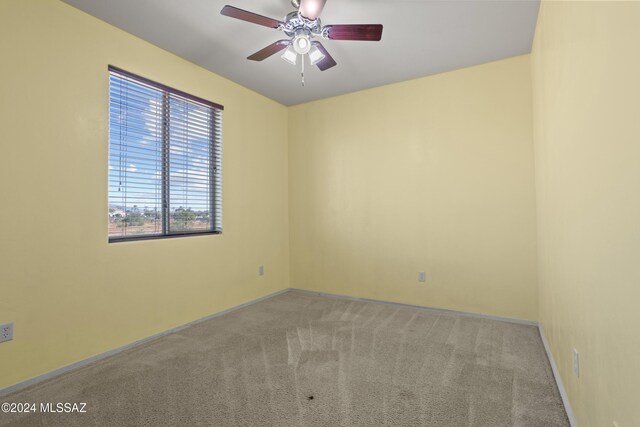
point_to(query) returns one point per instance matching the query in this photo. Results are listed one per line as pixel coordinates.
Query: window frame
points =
(165, 190)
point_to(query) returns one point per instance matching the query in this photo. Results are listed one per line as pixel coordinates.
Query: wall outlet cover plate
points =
(6, 332)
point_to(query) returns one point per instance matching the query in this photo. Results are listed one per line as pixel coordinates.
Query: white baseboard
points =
(23, 384)
(422, 307)
(556, 375)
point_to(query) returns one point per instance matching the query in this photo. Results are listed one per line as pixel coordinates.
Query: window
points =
(165, 149)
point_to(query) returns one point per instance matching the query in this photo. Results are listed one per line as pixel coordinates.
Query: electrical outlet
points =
(6, 332)
(615, 424)
(576, 363)
(422, 276)
(261, 270)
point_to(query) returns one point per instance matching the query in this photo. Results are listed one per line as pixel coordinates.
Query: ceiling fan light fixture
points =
(302, 44)
(290, 55)
(315, 55)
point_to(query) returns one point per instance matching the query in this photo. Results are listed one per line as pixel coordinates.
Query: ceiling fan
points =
(301, 26)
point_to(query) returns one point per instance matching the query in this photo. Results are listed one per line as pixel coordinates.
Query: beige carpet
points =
(305, 360)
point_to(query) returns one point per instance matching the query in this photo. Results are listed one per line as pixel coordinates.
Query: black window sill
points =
(161, 236)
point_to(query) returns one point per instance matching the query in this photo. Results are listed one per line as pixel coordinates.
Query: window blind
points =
(165, 160)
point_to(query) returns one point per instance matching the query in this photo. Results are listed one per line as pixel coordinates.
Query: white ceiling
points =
(420, 37)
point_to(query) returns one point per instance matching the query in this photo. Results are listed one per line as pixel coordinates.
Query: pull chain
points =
(302, 72)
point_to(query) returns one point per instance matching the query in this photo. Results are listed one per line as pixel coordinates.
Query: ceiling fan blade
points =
(311, 9)
(367, 32)
(272, 49)
(326, 62)
(254, 18)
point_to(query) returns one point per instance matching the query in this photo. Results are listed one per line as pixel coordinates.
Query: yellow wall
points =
(71, 294)
(433, 174)
(586, 85)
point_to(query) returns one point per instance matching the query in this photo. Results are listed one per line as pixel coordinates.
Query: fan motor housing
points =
(294, 22)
